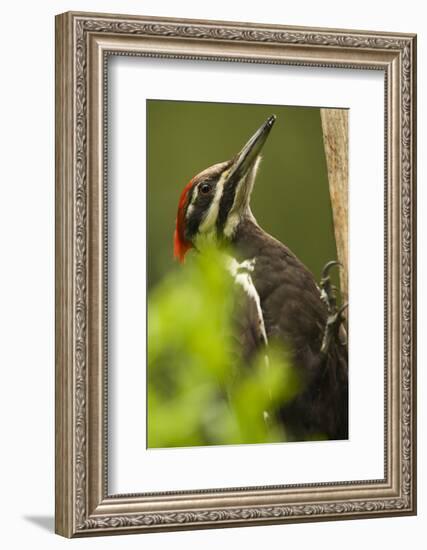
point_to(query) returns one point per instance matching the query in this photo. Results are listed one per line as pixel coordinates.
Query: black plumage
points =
(294, 314)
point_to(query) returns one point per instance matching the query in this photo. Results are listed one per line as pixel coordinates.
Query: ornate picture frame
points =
(83, 44)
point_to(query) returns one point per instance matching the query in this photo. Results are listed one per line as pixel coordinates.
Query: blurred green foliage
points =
(199, 391)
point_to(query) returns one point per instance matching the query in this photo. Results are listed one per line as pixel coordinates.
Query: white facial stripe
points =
(210, 218)
(231, 224)
(241, 199)
(189, 211)
(191, 205)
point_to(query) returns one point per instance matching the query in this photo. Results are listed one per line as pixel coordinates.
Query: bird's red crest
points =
(181, 245)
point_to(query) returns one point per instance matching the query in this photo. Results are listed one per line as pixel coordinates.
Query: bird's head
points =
(213, 203)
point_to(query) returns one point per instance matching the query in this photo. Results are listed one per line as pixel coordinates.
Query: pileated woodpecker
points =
(284, 302)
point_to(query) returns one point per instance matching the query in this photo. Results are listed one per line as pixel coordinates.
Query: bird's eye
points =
(205, 188)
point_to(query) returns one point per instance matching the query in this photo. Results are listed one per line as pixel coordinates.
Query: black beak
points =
(250, 152)
(240, 179)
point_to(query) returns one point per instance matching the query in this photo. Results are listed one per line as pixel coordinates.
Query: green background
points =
(291, 196)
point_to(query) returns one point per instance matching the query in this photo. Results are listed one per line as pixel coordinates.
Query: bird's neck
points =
(248, 237)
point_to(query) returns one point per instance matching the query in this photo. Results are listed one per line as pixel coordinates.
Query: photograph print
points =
(247, 274)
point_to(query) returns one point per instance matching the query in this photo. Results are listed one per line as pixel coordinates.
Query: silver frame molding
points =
(83, 43)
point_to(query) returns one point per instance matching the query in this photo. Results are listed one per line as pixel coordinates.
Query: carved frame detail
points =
(83, 42)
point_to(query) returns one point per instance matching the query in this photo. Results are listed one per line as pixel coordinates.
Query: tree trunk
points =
(335, 139)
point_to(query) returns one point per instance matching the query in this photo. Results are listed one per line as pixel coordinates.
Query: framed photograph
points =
(235, 274)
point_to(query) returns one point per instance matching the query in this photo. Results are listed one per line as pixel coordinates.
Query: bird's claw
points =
(333, 324)
(327, 290)
(335, 315)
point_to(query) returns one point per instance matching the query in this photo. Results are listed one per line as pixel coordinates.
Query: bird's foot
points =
(328, 294)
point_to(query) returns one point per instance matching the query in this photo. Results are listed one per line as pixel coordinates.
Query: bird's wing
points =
(249, 325)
